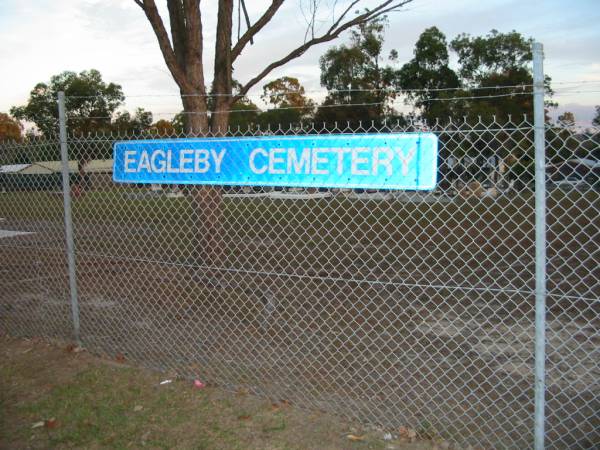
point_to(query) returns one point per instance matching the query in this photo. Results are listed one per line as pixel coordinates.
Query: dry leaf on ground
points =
(353, 437)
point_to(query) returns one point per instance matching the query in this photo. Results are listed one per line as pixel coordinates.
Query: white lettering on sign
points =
(201, 164)
(356, 161)
(360, 161)
(160, 161)
(253, 167)
(218, 159)
(379, 161)
(185, 158)
(298, 165)
(405, 159)
(129, 159)
(319, 158)
(275, 158)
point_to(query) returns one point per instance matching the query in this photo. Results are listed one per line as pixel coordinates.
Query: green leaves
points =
(90, 103)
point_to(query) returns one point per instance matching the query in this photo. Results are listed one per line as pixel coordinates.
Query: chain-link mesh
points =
(389, 307)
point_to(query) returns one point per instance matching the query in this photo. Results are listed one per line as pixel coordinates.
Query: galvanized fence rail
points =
(396, 308)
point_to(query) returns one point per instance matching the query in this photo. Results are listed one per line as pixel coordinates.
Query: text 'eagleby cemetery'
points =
(370, 161)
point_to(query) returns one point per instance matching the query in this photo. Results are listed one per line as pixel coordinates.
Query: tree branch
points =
(194, 38)
(149, 8)
(177, 18)
(337, 22)
(258, 25)
(247, 17)
(334, 31)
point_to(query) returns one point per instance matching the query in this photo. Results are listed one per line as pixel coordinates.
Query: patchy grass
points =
(87, 402)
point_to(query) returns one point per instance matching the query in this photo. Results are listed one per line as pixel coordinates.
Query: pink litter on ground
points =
(199, 384)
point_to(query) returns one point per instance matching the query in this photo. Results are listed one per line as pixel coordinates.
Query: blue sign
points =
(370, 161)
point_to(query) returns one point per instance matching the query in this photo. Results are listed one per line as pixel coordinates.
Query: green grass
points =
(94, 405)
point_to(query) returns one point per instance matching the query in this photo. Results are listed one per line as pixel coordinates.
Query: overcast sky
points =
(41, 38)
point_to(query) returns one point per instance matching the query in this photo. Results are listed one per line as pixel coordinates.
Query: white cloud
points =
(46, 37)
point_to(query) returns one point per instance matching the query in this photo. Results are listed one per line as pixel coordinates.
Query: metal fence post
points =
(64, 156)
(540, 244)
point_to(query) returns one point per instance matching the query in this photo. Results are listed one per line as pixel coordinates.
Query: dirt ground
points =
(388, 312)
(54, 396)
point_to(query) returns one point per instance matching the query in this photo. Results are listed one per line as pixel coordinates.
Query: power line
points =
(341, 105)
(331, 91)
(356, 90)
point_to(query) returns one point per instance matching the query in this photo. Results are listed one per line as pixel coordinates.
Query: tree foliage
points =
(163, 127)
(90, 103)
(356, 74)
(427, 73)
(183, 48)
(10, 129)
(488, 67)
(290, 105)
(139, 122)
(596, 119)
(482, 57)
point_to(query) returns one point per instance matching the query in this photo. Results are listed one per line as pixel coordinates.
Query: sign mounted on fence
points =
(369, 161)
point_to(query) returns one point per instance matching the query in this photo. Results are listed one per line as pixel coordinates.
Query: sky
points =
(45, 37)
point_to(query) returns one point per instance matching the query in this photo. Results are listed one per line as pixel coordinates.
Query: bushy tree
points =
(126, 124)
(356, 74)
(90, 104)
(290, 105)
(10, 129)
(426, 75)
(163, 127)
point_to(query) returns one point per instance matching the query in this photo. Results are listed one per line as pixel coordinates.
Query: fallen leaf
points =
(70, 348)
(403, 431)
(246, 417)
(51, 423)
(38, 425)
(138, 408)
(242, 391)
(275, 407)
(354, 438)
(120, 357)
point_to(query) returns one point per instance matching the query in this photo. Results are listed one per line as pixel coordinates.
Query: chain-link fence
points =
(399, 308)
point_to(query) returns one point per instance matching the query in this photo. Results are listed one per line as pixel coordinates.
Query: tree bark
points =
(195, 119)
(222, 83)
(208, 200)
